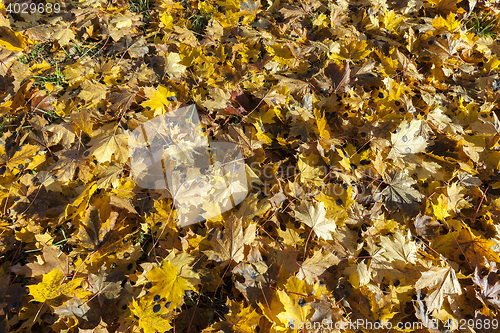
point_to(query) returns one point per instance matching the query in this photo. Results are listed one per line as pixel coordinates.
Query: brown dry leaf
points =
(440, 282)
(110, 147)
(99, 285)
(316, 265)
(229, 244)
(53, 258)
(313, 215)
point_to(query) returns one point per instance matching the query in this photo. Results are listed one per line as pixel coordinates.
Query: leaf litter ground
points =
(370, 135)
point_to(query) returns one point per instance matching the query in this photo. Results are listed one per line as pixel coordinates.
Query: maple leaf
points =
(354, 50)
(464, 242)
(110, 146)
(152, 316)
(105, 239)
(161, 217)
(229, 244)
(63, 35)
(73, 307)
(93, 91)
(18, 159)
(10, 40)
(121, 101)
(108, 176)
(239, 319)
(68, 162)
(173, 279)
(399, 192)
(82, 120)
(80, 204)
(443, 282)
(99, 285)
(487, 292)
(51, 286)
(53, 258)
(92, 230)
(425, 225)
(244, 136)
(407, 140)
(63, 134)
(313, 267)
(35, 203)
(313, 215)
(173, 66)
(158, 99)
(399, 248)
(294, 313)
(296, 308)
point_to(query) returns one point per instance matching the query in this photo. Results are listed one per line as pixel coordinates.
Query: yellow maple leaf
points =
(93, 91)
(450, 24)
(51, 286)
(309, 171)
(63, 35)
(21, 155)
(10, 40)
(173, 278)
(441, 208)
(158, 99)
(152, 316)
(354, 50)
(392, 20)
(240, 319)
